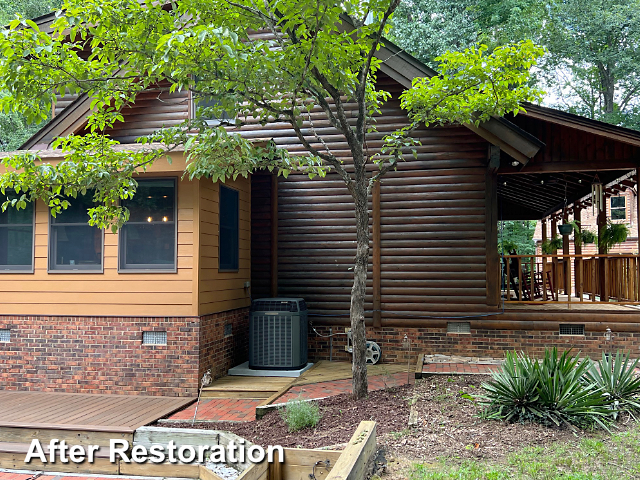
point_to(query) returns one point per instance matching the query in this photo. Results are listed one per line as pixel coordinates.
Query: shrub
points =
(616, 378)
(298, 414)
(554, 391)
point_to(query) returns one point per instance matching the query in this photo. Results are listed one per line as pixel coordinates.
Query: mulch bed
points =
(340, 417)
(447, 425)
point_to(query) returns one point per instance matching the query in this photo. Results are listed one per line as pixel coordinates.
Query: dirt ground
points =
(447, 425)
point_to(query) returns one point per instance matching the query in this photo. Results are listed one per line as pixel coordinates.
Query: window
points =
(154, 338)
(16, 238)
(229, 212)
(618, 208)
(148, 239)
(73, 243)
(201, 101)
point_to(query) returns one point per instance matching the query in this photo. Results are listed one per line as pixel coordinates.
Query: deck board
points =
(70, 411)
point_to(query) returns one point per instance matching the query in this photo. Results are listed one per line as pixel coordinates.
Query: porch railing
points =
(559, 278)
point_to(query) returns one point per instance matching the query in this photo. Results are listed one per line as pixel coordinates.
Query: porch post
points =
(577, 245)
(544, 260)
(492, 258)
(554, 260)
(566, 261)
(602, 223)
(638, 205)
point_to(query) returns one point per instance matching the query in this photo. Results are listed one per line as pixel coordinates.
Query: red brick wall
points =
(479, 343)
(219, 352)
(106, 354)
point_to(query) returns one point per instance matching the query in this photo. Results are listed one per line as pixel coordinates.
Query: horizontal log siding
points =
(317, 244)
(222, 291)
(154, 109)
(109, 293)
(260, 236)
(432, 223)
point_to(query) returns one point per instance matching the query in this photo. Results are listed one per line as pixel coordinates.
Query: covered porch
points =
(570, 180)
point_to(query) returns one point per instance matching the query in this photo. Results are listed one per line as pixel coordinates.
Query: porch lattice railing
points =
(560, 278)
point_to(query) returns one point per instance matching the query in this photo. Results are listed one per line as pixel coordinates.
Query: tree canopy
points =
(592, 46)
(14, 129)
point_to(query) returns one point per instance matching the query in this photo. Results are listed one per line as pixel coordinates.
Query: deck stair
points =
(257, 388)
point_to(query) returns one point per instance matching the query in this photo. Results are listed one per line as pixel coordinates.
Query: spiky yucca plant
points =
(616, 377)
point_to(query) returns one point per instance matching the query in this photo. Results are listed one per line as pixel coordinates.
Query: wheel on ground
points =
(374, 353)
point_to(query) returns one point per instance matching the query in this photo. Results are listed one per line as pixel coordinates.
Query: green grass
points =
(608, 457)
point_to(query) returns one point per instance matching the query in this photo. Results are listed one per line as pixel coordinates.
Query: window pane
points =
(16, 246)
(148, 239)
(618, 214)
(152, 202)
(11, 216)
(228, 228)
(77, 211)
(77, 246)
(618, 202)
(149, 245)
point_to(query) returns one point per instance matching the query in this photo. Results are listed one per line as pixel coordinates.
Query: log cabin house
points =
(150, 308)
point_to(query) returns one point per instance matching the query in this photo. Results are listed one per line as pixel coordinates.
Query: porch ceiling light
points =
(515, 163)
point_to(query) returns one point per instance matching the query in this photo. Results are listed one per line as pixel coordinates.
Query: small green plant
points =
(612, 235)
(299, 414)
(616, 377)
(551, 246)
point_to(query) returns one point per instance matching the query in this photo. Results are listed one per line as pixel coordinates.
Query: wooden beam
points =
(377, 298)
(566, 262)
(355, 458)
(491, 238)
(274, 235)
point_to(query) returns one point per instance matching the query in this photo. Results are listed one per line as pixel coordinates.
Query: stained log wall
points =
(432, 225)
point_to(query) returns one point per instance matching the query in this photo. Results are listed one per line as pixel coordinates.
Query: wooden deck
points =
(575, 305)
(82, 412)
(270, 388)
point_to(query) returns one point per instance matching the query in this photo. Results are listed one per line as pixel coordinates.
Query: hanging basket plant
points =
(612, 235)
(565, 229)
(551, 246)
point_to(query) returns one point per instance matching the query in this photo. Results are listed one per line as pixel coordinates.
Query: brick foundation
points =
(106, 354)
(478, 343)
(218, 351)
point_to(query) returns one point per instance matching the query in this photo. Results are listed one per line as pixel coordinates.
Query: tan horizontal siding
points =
(221, 291)
(108, 292)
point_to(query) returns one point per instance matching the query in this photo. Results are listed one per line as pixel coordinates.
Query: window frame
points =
(121, 243)
(212, 122)
(33, 247)
(220, 269)
(51, 247)
(612, 208)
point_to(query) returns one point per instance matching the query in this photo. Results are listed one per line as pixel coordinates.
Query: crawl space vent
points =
(5, 335)
(571, 329)
(154, 338)
(458, 327)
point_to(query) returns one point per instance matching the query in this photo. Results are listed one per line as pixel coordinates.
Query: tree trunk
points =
(359, 368)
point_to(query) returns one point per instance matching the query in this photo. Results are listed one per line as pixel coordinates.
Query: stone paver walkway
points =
(338, 387)
(219, 410)
(458, 369)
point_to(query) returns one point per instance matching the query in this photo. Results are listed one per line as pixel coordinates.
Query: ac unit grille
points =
(272, 340)
(277, 335)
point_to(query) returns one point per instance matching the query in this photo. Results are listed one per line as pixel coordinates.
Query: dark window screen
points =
(229, 212)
